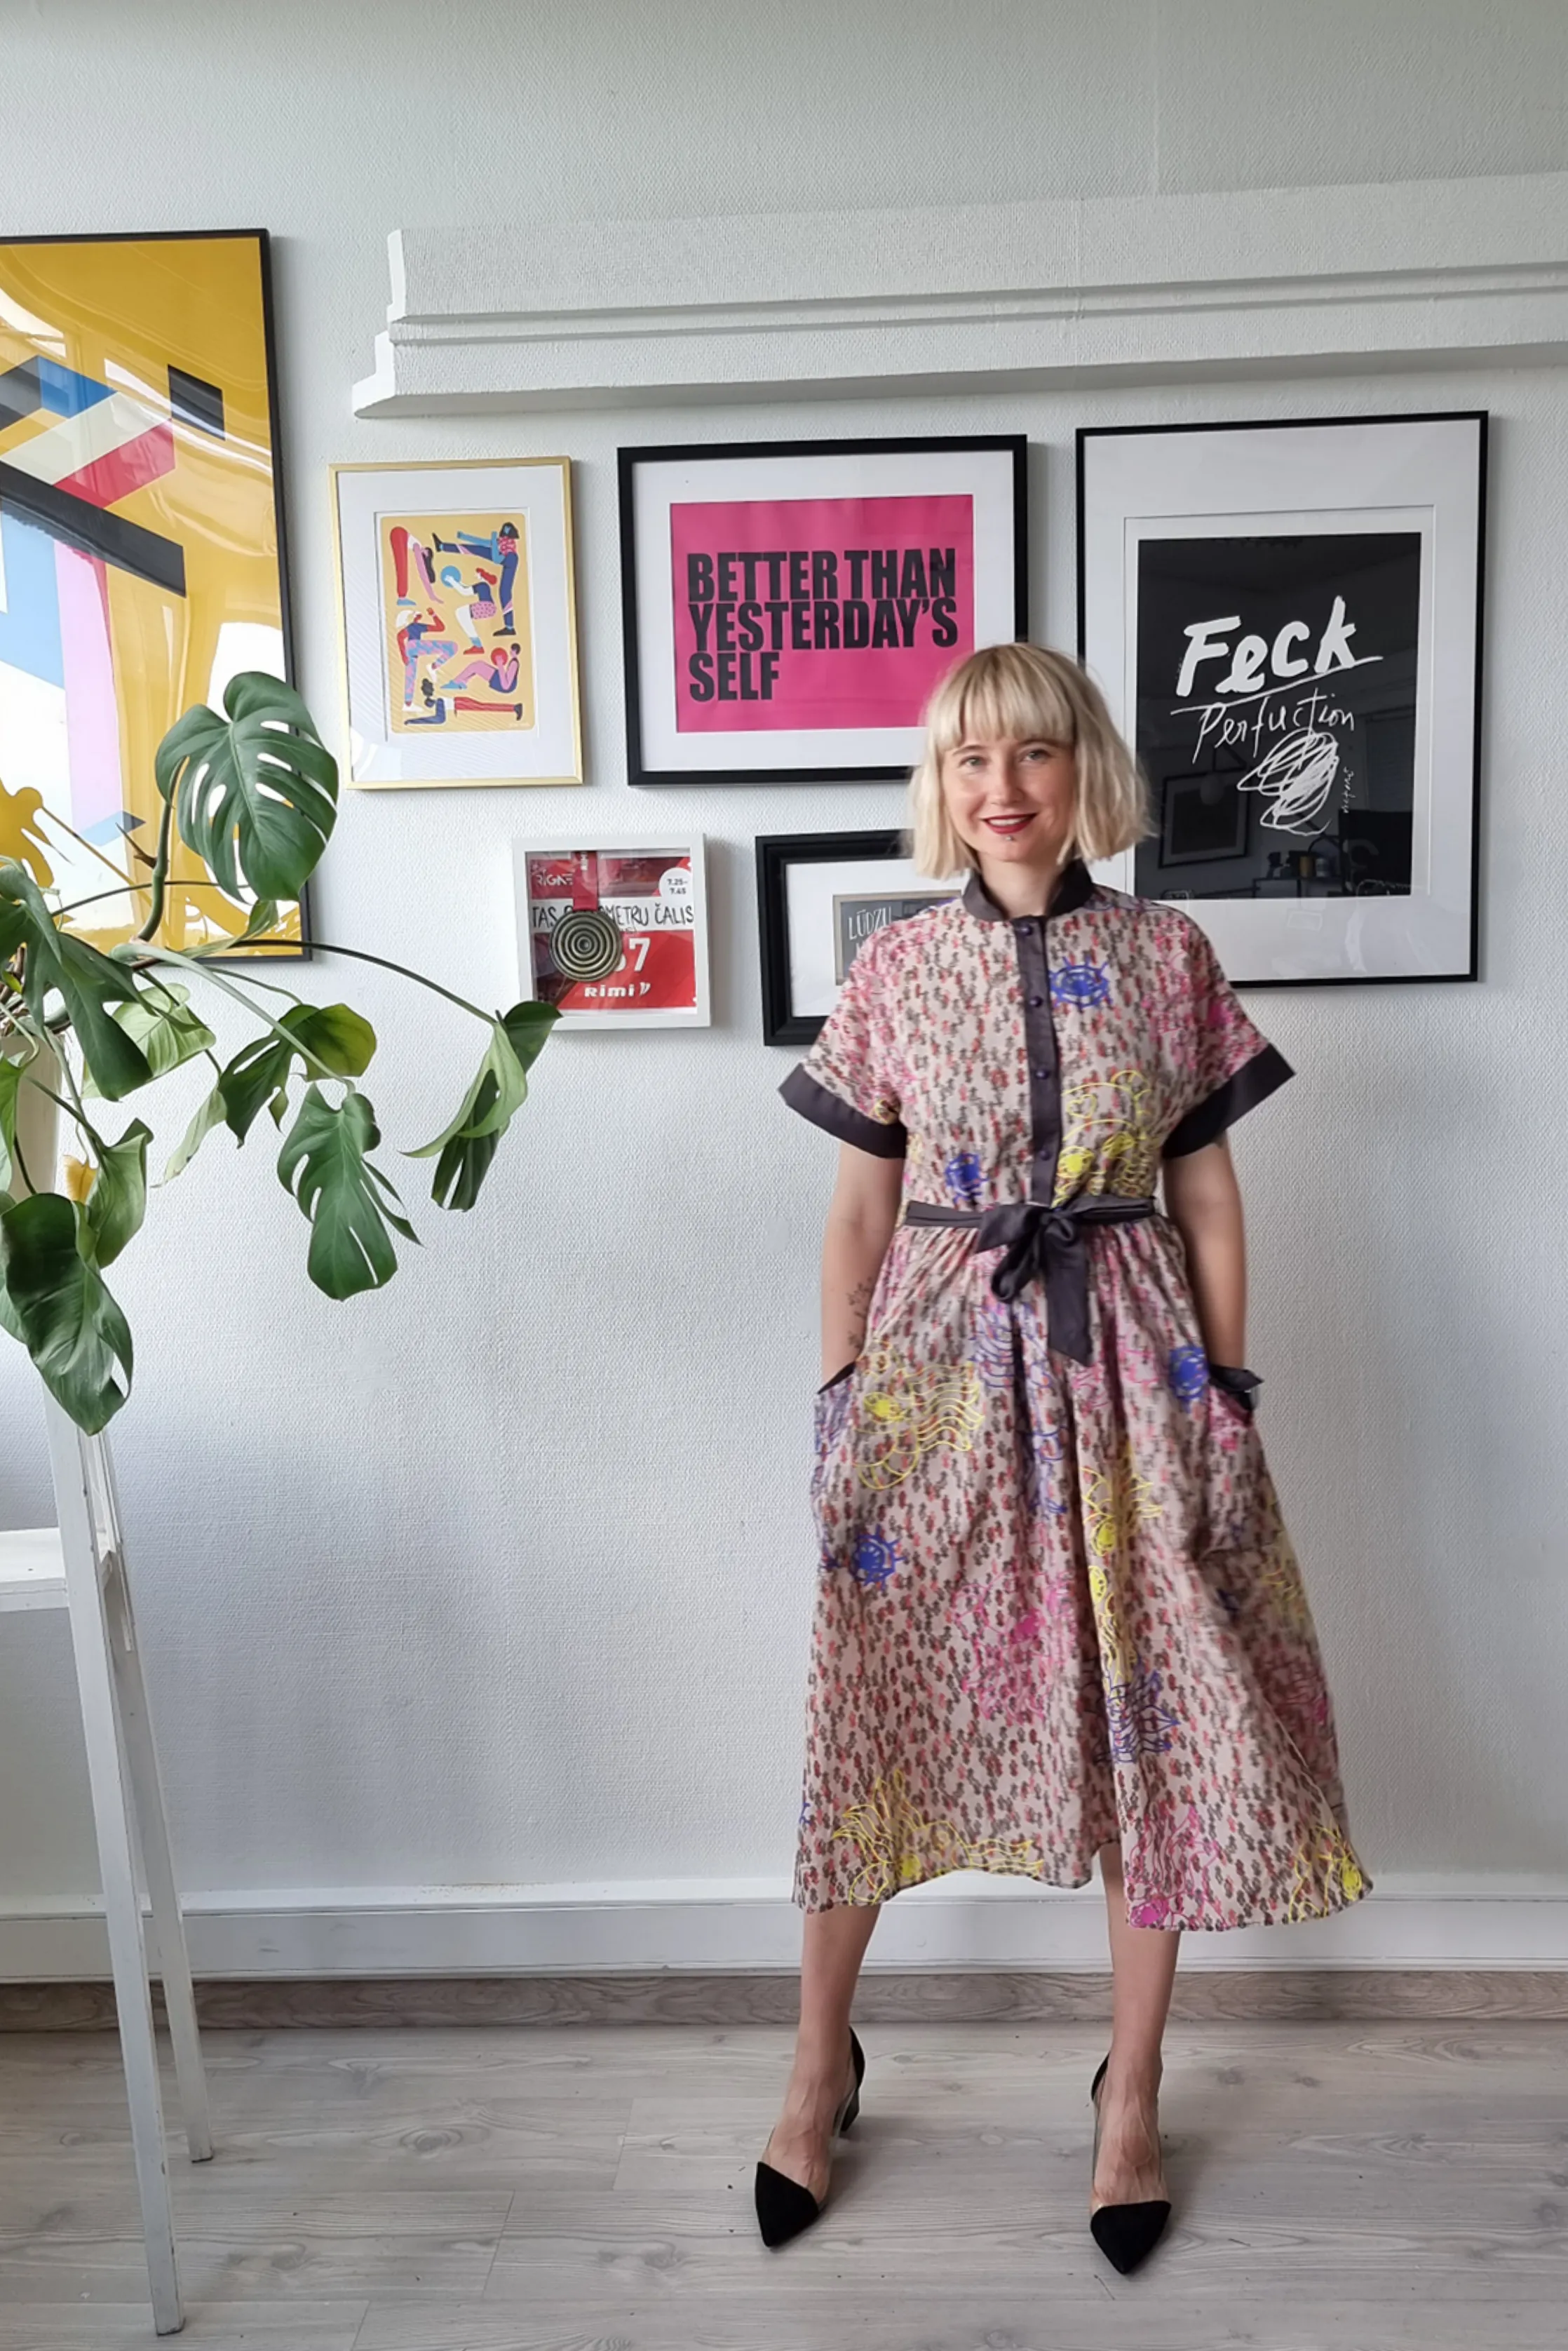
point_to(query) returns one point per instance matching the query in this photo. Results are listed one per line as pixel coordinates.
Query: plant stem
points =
(362, 954)
(160, 871)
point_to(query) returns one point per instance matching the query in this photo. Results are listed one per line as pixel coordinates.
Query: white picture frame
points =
(1361, 861)
(628, 876)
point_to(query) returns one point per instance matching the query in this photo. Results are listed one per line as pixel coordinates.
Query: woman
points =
(1058, 1614)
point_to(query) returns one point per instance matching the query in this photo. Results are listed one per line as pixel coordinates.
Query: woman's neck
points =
(1019, 890)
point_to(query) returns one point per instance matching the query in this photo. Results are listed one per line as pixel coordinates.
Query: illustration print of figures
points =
(818, 612)
(454, 604)
(1276, 713)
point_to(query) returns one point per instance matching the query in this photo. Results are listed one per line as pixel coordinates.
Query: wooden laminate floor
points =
(588, 2188)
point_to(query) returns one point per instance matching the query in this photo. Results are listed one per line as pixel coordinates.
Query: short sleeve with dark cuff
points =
(843, 1084)
(1232, 1067)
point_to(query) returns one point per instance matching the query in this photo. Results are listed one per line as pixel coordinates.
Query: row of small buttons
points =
(1025, 930)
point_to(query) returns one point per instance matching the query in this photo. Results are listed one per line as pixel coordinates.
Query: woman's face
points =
(1012, 801)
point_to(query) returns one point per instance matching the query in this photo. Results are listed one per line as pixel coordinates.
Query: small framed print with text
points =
(1286, 621)
(615, 934)
(819, 895)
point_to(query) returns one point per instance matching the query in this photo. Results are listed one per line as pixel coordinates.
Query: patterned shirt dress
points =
(1056, 1601)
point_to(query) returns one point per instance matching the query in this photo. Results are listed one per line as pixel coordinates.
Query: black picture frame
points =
(303, 951)
(1334, 474)
(775, 854)
(1010, 601)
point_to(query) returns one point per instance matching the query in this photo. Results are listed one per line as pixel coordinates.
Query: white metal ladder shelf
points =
(80, 1566)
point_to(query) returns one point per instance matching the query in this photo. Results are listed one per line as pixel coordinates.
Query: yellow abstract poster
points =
(456, 626)
(141, 560)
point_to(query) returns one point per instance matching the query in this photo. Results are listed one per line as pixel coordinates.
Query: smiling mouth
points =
(1010, 824)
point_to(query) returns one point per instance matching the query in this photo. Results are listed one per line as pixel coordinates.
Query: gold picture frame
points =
(457, 622)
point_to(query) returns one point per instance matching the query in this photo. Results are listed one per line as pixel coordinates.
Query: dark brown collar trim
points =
(1074, 885)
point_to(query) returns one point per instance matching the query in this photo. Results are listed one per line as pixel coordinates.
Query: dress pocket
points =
(830, 1411)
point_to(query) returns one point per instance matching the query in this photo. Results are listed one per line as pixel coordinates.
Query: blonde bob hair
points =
(1026, 693)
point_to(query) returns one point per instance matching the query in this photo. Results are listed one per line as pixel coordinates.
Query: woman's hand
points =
(1203, 1200)
(862, 1216)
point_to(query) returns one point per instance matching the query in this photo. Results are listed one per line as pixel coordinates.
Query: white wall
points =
(502, 1576)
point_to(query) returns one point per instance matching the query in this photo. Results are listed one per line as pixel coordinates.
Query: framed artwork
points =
(615, 934)
(142, 555)
(789, 605)
(1286, 621)
(458, 611)
(819, 895)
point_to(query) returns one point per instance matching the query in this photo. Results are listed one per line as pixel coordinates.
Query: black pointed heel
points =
(1123, 2232)
(783, 2206)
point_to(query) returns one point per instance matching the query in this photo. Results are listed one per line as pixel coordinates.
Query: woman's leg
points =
(1143, 1963)
(834, 1944)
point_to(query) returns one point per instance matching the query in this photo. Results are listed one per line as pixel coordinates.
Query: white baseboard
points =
(965, 1921)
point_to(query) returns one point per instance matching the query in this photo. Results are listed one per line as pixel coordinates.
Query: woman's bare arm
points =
(862, 1216)
(1203, 1200)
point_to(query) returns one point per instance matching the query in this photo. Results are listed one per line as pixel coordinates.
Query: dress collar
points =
(1073, 885)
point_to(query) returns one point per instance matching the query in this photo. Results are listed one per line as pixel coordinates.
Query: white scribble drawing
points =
(1297, 778)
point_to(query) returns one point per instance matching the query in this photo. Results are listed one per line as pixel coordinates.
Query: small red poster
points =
(643, 958)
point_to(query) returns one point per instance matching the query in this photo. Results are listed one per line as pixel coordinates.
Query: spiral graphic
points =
(586, 943)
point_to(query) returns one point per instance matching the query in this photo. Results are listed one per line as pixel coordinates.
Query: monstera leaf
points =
(467, 1146)
(324, 1164)
(162, 1022)
(332, 1035)
(88, 982)
(56, 1302)
(118, 1201)
(255, 794)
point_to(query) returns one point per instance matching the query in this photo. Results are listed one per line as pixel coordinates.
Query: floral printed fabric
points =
(1057, 1603)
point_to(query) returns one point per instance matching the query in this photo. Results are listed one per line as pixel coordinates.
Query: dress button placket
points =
(1039, 1040)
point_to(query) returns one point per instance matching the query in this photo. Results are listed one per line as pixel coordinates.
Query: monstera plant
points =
(253, 793)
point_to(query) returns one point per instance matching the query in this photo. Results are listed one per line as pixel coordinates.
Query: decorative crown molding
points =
(606, 313)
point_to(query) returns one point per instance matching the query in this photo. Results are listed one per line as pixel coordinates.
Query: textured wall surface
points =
(505, 1573)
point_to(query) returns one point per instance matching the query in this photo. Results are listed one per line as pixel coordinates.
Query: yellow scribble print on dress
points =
(1282, 1578)
(1113, 1505)
(1106, 1145)
(898, 1848)
(907, 1410)
(1315, 1870)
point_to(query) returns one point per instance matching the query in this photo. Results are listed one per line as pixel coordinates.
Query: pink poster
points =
(818, 612)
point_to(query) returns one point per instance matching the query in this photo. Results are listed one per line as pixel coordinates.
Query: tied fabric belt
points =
(1046, 1241)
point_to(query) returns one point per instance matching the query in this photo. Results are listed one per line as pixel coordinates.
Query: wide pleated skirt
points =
(1057, 1605)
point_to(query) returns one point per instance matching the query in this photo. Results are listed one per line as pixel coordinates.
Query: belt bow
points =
(1041, 1242)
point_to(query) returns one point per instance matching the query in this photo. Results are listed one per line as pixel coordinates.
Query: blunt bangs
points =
(1000, 695)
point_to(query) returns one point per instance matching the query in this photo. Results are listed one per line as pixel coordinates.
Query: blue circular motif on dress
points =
(966, 1179)
(1083, 984)
(875, 1559)
(1189, 1374)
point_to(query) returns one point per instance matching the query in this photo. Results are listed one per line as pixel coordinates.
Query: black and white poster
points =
(1285, 622)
